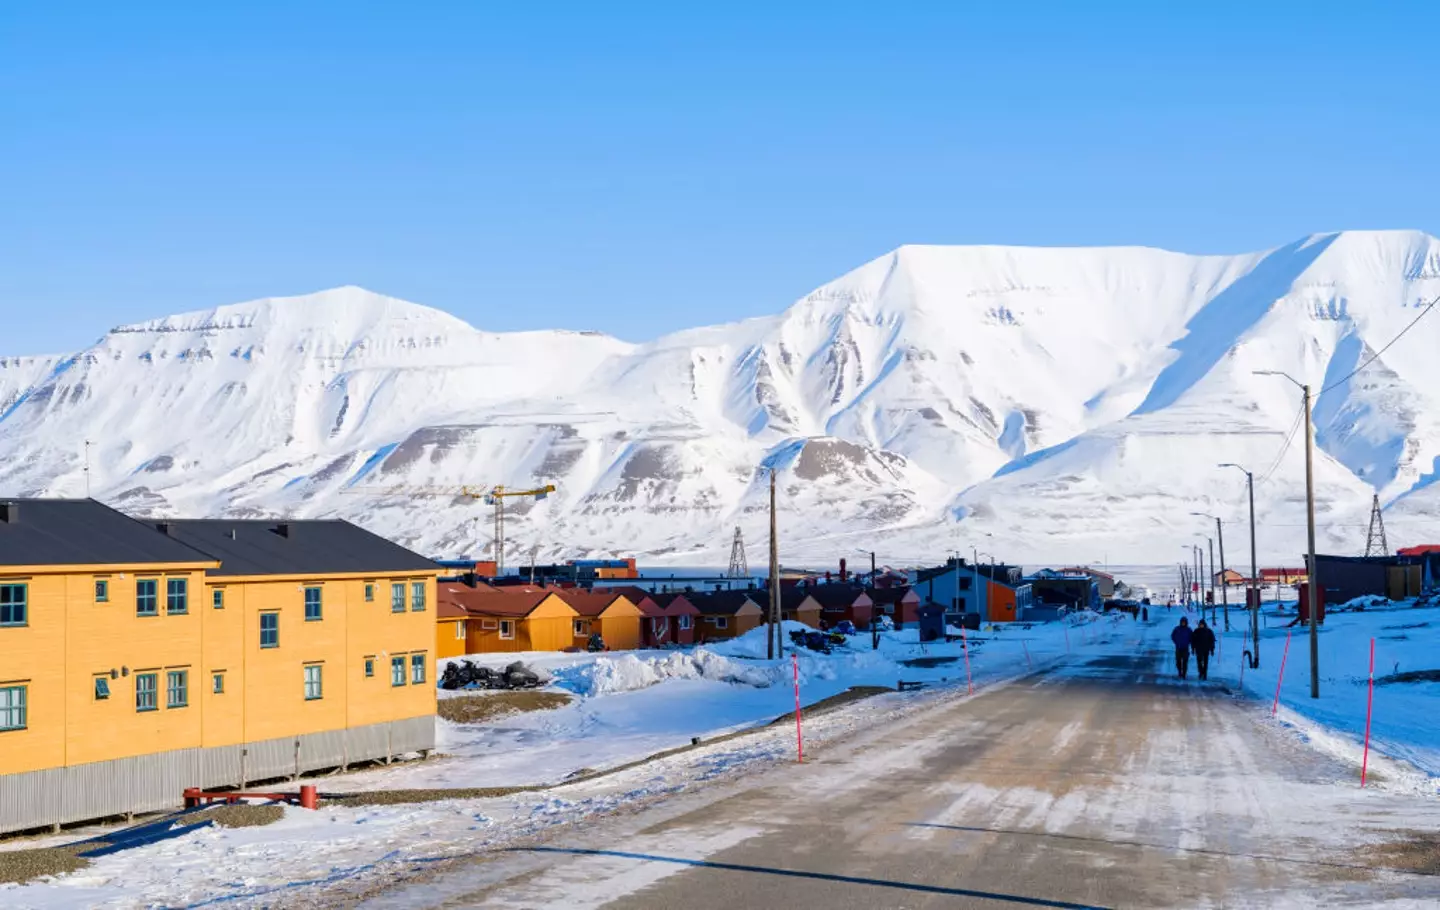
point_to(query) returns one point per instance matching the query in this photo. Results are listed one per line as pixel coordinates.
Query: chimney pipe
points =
(164, 527)
(842, 570)
(285, 529)
(10, 512)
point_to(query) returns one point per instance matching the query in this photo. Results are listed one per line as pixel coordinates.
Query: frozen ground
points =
(628, 706)
(1407, 639)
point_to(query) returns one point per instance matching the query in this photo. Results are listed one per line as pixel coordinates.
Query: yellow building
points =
(503, 620)
(138, 659)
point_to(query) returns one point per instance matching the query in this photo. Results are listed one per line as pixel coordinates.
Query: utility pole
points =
(774, 639)
(1313, 582)
(1252, 595)
(1211, 542)
(1224, 582)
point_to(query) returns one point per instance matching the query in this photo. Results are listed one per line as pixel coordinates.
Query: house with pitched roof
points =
(141, 657)
(725, 614)
(612, 615)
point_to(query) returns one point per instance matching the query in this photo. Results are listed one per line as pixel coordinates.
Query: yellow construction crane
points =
(494, 496)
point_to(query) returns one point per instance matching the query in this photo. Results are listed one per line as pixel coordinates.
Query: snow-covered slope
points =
(1072, 404)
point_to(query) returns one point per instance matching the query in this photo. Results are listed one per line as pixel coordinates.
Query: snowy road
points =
(1097, 783)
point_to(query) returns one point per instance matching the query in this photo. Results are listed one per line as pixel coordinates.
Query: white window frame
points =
(684, 622)
(152, 690)
(489, 625)
(460, 629)
(177, 681)
(720, 622)
(314, 687)
(14, 707)
(507, 628)
(582, 627)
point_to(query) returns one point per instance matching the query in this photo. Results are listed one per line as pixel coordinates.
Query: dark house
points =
(1344, 578)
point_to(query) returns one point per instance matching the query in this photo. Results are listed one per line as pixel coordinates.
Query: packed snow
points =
(1076, 399)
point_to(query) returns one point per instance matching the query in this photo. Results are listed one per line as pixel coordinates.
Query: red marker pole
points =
(965, 643)
(1283, 657)
(799, 740)
(1369, 706)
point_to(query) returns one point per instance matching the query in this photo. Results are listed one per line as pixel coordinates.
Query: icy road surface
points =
(1100, 783)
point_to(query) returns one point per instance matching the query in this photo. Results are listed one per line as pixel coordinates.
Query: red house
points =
(900, 603)
(680, 616)
(842, 602)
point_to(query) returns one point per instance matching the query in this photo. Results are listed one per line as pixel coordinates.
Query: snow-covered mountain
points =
(1039, 404)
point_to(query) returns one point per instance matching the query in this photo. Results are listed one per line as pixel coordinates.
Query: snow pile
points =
(1361, 603)
(628, 672)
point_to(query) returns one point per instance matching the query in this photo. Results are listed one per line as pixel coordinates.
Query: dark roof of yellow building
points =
(330, 547)
(69, 532)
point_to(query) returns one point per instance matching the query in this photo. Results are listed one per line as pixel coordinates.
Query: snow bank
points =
(609, 675)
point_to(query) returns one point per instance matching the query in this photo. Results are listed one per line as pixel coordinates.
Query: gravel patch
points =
(477, 709)
(24, 865)
(242, 815)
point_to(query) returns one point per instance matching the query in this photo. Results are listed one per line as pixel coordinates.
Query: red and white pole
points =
(1369, 707)
(1283, 657)
(965, 644)
(799, 739)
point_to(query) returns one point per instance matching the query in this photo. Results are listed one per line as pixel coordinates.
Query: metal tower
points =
(738, 567)
(1375, 543)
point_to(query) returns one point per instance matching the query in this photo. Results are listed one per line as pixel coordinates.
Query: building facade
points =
(137, 660)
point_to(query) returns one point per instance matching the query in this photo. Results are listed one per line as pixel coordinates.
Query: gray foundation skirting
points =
(149, 783)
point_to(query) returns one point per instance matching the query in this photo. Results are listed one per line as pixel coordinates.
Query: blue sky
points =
(638, 168)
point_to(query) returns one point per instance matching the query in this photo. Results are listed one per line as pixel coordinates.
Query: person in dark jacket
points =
(1181, 637)
(1202, 642)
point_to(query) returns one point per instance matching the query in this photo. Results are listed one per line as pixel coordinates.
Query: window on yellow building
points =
(269, 630)
(12, 707)
(417, 596)
(102, 688)
(397, 597)
(369, 667)
(582, 627)
(217, 683)
(314, 687)
(177, 595)
(507, 628)
(460, 629)
(417, 669)
(146, 685)
(489, 625)
(217, 599)
(177, 688)
(369, 592)
(13, 605)
(102, 590)
(397, 671)
(147, 599)
(313, 608)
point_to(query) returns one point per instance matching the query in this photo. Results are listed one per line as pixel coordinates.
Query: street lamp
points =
(1224, 593)
(1252, 597)
(1310, 535)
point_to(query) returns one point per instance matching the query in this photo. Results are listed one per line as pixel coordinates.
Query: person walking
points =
(1202, 642)
(1180, 636)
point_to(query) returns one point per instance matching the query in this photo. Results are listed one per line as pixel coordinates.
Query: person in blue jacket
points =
(1181, 637)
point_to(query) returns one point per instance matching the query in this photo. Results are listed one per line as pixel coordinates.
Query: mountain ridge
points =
(1028, 392)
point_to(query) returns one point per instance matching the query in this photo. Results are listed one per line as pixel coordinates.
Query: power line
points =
(1376, 355)
(1285, 446)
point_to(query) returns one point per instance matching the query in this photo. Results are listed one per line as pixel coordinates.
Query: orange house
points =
(725, 614)
(796, 605)
(509, 620)
(839, 602)
(614, 616)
